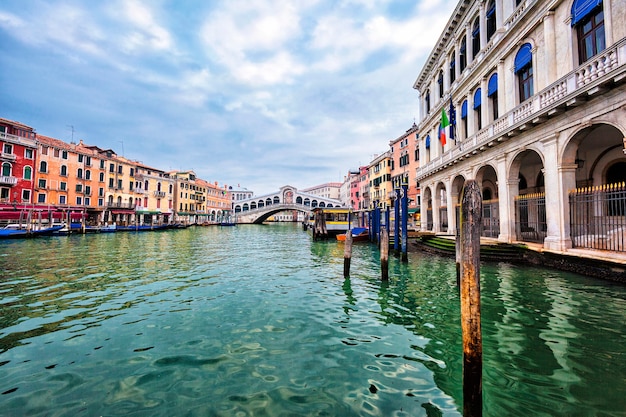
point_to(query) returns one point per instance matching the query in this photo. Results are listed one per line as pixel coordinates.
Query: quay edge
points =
(609, 266)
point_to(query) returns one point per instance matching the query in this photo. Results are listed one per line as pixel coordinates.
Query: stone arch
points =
(427, 202)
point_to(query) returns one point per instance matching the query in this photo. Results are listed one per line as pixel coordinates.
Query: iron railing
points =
(530, 217)
(598, 217)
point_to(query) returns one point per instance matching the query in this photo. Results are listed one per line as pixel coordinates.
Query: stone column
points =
(550, 42)
(554, 196)
(453, 198)
(482, 14)
(484, 103)
(507, 190)
(499, 14)
(436, 205)
(502, 91)
(468, 43)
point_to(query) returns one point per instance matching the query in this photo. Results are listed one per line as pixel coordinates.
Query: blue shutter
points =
(524, 57)
(477, 99)
(464, 110)
(582, 8)
(493, 85)
(428, 142)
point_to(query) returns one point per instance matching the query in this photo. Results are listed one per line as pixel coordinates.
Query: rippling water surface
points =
(259, 321)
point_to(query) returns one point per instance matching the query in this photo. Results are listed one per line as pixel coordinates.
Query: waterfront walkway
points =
(609, 265)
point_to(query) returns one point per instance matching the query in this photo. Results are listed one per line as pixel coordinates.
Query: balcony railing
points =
(607, 67)
(7, 180)
(121, 205)
(159, 194)
(8, 156)
(5, 137)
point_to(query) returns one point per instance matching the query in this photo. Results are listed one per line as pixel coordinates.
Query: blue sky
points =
(257, 93)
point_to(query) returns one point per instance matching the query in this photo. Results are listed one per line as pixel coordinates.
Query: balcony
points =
(8, 156)
(5, 137)
(7, 180)
(121, 205)
(594, 77)
(159, 194)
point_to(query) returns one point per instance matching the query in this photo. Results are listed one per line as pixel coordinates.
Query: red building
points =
(18, 160)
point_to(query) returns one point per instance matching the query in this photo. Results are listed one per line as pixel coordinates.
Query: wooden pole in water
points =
(471, 219)
(384, 254)
(347, 254)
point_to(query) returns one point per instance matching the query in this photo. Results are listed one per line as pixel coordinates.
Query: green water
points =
(259, 321)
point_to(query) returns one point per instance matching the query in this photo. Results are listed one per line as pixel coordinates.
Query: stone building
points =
(534, 94)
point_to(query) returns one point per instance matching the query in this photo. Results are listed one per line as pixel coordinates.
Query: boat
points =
(329, 221)
(141, 228)
(18, 231)
(108, 228)
(359, 234)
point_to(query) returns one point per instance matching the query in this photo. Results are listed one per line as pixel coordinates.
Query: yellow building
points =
(190, 198)
(380, 185)
(154, 195)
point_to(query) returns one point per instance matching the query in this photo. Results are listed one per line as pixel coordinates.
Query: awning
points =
(148, 212)
(493, 85)
(524, 57)
(123, 211)
(582, 8)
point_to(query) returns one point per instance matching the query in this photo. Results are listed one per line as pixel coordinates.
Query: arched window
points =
(43, 166)
(87, 174)
(524, 71)
(276, 200)
(28, 173)
(64, 170)
(452, 68)
(491, 19)
(475, 38)
(440, 82)
(588, 20)
(158, 186)
(6, 169)
(427, 101)
(145, 185)
(492, 93)
(79, 174)
(463, 55)
(478, 109)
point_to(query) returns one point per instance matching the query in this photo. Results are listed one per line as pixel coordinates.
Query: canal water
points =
(259, 321)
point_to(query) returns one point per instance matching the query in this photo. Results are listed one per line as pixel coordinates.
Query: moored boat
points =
(21, 231)
(359, 234)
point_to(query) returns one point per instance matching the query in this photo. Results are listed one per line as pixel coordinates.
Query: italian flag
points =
(442, 127)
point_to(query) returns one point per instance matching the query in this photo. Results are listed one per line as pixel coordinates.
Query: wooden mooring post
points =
(347, 254)
(384, 254)
(471, 220)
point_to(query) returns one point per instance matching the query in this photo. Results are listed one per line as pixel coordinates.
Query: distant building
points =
(405, 158)
(379, 176)
(326, 190)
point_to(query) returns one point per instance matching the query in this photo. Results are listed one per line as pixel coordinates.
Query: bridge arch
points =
(288, 198)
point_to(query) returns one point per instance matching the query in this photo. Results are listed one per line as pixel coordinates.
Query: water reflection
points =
(259, 320)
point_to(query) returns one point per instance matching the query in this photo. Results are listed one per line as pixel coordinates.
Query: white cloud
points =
(145, 32)
(252, 40)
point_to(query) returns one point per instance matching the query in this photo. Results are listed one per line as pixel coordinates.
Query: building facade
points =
(18, 148)
(528, 98)
(327, 190)
(379, 181)
(405, 158)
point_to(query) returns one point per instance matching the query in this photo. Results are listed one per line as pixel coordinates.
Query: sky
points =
(253, 93)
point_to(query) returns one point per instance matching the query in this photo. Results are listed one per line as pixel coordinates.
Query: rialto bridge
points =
(260, 208)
